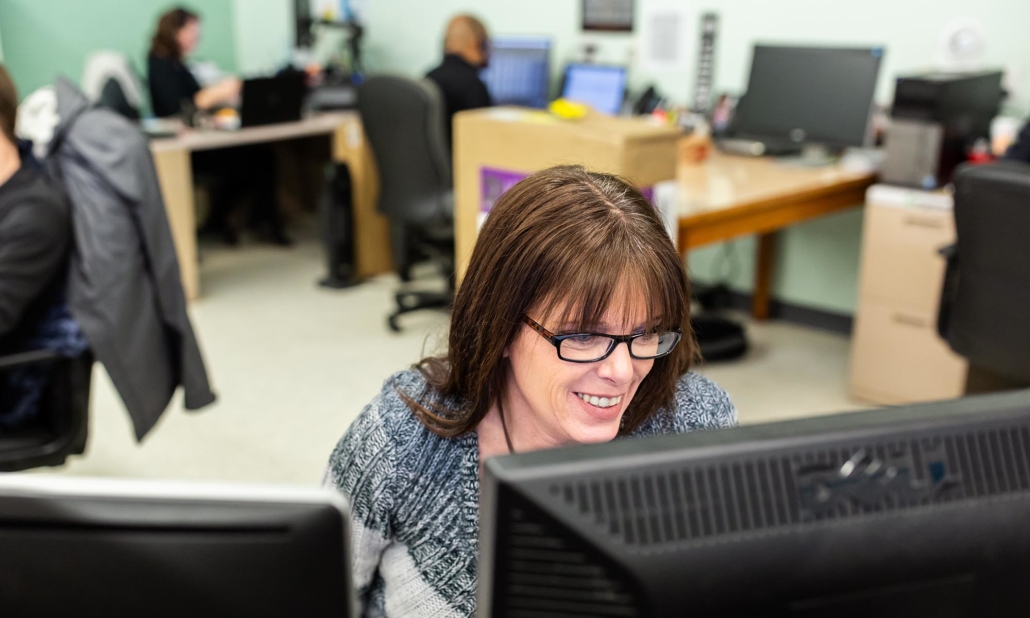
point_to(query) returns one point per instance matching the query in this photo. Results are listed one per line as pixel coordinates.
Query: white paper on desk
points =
(662, 43)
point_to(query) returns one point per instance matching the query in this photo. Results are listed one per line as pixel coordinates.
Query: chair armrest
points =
(26, 359)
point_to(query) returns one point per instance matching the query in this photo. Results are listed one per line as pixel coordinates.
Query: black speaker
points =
(336, 209)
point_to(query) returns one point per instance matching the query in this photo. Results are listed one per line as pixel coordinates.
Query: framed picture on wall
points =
(608, 15)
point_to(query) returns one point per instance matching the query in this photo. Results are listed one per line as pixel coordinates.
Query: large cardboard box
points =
(495, 147)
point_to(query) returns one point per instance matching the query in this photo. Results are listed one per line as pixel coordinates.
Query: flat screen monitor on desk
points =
(601, 87)
(903, 512)
(519, 70)
(85, 547)
(270, 100)
(808, 95)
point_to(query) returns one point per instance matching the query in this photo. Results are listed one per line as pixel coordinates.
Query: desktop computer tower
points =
(936, 118)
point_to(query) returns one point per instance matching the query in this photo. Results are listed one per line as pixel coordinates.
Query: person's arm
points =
(224, 92)
(33, 250)
(363, 467)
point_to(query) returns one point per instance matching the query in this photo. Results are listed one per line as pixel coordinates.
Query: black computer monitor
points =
(519, 71)
(808, 95)
(84, 547)
(903, 512)
(601, 87)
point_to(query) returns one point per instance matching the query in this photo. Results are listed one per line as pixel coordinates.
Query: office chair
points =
(405, 123)
(62, 421)
(110, 79)
(986, 293)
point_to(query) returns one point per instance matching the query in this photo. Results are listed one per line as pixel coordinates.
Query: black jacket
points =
(171, 83)
(461, 87)
(34, 239)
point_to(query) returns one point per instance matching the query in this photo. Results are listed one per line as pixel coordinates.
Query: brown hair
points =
(164, 44)
(562, 242)
(8, 104)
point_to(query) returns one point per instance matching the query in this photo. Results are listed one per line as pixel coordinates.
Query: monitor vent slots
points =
(688, 503)
(550, 573)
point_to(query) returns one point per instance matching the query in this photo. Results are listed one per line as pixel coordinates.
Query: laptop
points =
(269, 100)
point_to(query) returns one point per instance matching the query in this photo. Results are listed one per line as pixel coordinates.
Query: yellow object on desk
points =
(568, 110)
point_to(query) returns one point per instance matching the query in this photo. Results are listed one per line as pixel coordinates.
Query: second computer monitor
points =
(809, 95)
(601, 87)
(908, 512)
(518, 71)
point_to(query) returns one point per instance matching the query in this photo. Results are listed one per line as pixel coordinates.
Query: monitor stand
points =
(811, 155)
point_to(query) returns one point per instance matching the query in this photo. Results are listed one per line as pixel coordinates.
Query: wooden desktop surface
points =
(349, 145)
(730, 196)
(321, 124)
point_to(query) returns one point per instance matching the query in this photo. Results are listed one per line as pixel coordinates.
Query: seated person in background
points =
(240, 170)
(35, 233)
(466, 51)
(571, 327)
(171, 83)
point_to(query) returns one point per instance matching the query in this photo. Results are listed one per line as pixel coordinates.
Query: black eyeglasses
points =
(593, 347)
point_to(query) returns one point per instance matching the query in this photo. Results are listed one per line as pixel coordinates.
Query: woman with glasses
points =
(570, 327)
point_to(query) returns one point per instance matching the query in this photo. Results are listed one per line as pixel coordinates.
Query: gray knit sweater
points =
(414, 496)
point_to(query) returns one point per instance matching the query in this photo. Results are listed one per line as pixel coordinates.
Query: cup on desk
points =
(694, 148)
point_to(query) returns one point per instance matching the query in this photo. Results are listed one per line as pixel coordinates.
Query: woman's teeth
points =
(600, 402)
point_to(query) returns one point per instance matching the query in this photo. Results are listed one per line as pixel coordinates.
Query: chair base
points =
(340, 283)
(408, 302)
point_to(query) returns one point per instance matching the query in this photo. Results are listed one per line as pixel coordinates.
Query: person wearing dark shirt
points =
(171, 83)
(35, 233)
(240, 170)
(466, 51)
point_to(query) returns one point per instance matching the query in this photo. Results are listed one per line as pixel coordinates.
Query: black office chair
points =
(985, 302)
(61, 425)
(405, 123)
(113, 97)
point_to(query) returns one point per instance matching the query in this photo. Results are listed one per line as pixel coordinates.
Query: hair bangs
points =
(620, 282)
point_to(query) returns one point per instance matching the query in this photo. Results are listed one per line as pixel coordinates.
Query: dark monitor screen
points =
(601, 87)
(907, 512)
(519, 71)
(809, 95)
(87, 547)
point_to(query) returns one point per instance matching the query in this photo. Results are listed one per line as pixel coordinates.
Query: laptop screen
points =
(600, 87)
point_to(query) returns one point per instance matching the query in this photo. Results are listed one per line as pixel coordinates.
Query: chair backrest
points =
(404, 120)
(990, 299)
(104, 66)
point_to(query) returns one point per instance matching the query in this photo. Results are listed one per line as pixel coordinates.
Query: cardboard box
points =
(496, 147)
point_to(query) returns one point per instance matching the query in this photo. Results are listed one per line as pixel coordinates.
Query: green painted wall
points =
(45, 38)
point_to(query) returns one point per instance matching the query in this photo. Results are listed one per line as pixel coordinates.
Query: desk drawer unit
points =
(897, 356)
(900, 259)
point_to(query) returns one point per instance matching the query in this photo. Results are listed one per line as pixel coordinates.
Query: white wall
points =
(405, 36)
(264, 34)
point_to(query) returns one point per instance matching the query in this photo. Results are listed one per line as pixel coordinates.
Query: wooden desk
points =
(172, 160)
(726, 197)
